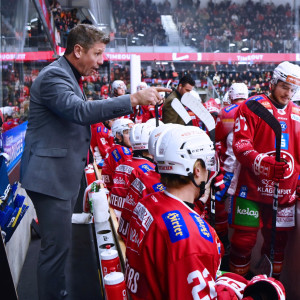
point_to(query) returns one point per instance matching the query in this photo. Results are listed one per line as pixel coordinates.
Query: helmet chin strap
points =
(201, 185)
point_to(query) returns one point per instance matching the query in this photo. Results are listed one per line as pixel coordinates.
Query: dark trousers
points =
(54, 217)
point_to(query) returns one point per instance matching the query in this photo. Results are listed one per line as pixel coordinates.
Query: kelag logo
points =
(116, 155)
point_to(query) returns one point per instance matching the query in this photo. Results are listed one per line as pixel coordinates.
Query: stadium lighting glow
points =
(133, 42)
(245, 49)
(135, 38)
(245, 40)
(231, 45)
(193, 39)
(140, 34)
(164, 63)
(217, 51)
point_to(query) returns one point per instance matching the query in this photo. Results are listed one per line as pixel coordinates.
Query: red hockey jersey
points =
(253, 136)
(122, 178)
(171, 252)
(145, 184)
(102, 138)
(116, 156)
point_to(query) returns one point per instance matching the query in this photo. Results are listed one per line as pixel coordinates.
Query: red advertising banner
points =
(192, 57)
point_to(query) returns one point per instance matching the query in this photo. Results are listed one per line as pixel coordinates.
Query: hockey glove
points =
(230, 286)
(267, 167)
(263, 287)
(219, 180)
(227, 181)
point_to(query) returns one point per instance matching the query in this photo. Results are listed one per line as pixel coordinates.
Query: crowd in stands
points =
(219, 26)
(140, 22)
(267, 28)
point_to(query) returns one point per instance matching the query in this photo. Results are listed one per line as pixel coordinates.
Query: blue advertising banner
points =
(13, 143)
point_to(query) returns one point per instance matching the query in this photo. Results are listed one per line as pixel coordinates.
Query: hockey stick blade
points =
(192, 101)
(264, 266)
(181, 111)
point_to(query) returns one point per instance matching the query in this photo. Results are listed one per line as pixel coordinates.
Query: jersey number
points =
(202, 285)
(237, 124)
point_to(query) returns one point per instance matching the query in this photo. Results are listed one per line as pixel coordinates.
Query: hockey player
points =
(171, 252)
(118, 88)
(145, 184)
(140, 163)
(238, 93)
(118, 153)
(102, 139)
(254, 148)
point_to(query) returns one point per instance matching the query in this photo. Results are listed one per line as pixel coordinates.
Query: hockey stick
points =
(266, 116)
(156, 115)
(192, 101)
(181, 111)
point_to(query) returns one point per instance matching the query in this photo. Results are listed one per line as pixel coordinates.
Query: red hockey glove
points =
(230, 286)
(265, 287)
(268, 167)
(219, 180)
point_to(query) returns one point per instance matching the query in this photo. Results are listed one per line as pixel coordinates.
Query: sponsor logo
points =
(247, 211)
(144, 215)
(202, 226)
(295, 117)
(145, 168)
(230, 107)
(116, 201)
(116, 155)
(243, 191)
(256, 98)
(138, 185)
(283, 125)
(176, 226)
(126, 151)
(165, 168)
(105, 178)
(158, 187)
(296, 110)
(99, 129)
(124, 169)
(282, 118)
(284, 141)
(266, 104)
(251, 57)
(119, 180)
(281, 111)
(129, 200)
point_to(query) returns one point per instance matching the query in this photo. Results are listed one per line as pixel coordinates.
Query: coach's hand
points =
(149, 96)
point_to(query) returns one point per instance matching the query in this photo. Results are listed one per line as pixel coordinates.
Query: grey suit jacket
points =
(58, 133)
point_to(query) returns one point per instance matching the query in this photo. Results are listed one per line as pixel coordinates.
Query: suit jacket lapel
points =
(62, 61)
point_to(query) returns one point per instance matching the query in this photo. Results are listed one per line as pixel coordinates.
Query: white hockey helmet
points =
(139, 136)
(156, 132)
(118, 84)
(152, 121)
(142, 85)
(238, 90)
(120, 125)
(178, 149)
(287, 72)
